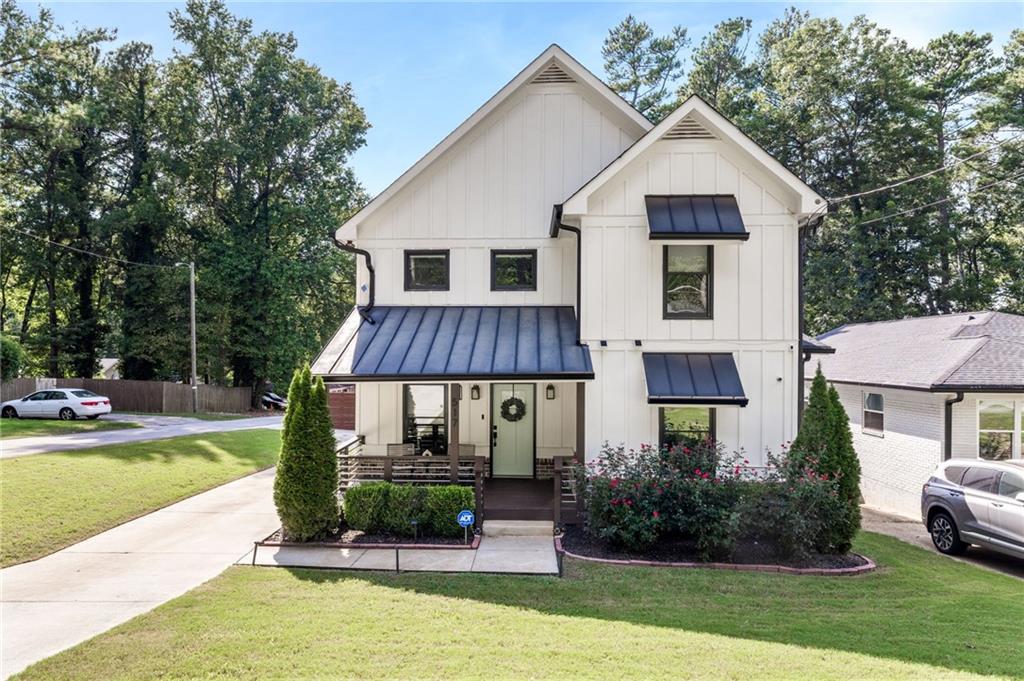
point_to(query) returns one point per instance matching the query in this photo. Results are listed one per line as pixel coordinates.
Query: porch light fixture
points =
(474, 392)
(549, 392)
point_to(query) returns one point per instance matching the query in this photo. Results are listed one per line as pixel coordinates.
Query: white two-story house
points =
(558, 273)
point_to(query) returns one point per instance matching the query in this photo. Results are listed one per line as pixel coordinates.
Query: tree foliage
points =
(642, 66)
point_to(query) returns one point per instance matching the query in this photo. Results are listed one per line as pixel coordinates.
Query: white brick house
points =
(919, 391)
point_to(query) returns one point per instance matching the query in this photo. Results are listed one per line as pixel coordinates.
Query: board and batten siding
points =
(755, 314)
(496, 189)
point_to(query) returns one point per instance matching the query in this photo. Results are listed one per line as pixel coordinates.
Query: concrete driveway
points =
(154, 428)
(914, 532)
(67, 597)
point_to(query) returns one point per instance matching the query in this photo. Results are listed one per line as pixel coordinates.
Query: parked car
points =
(973, 501)
(66, 404)
(273, 401)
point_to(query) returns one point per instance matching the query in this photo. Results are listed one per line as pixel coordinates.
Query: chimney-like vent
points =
(552, 73)
(688, 129)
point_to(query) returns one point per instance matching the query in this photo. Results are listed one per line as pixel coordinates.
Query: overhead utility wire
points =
(85, 252)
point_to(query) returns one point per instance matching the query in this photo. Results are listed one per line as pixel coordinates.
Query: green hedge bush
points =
(388, 508)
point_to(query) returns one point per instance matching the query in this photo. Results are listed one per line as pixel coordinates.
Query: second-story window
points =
(514, 270)
(426, 271)
(687, 282)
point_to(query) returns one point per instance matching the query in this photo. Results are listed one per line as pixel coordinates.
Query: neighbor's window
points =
(874, 413)
(425, 416)
(514, 270)
(687, 282)
(995, 430)
(426, 270)
(685, 426)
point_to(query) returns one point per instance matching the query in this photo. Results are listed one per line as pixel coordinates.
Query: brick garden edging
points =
(869, 565)
(475, 544)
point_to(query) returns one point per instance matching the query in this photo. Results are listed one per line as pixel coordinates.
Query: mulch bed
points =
(346, 537)
(578, 542)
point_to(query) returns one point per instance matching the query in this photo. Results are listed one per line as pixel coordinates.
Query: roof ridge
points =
(984, 341)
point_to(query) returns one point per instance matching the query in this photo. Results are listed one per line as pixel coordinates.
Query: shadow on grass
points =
(918, 608)
(258, 447)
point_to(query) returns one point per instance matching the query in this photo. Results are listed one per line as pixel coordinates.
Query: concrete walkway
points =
(67, 597)
(154, 428)
(914, 532)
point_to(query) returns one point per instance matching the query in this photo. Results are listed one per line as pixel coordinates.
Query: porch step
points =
(518, 528)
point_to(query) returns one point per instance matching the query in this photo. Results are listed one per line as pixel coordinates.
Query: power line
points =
(838, 199)
(1010, 178)
(85, 252)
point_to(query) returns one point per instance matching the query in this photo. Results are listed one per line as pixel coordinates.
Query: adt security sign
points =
(466, 518)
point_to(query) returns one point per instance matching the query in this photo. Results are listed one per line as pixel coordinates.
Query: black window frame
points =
(496, 252)
(712, 421)
(410, 285)
(406, 431)
(710, 313)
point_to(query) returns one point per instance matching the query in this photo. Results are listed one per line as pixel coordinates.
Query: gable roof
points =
(977, 352)
(553, 65)
(706, 117)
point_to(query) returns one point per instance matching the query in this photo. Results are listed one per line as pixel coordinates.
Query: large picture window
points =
(425, 415)
(687, 282)
(514, 270)
(997, 430)
(426, 270)
(686, 426)
(874, 414)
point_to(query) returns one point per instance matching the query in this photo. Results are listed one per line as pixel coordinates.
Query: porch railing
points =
(564, 491)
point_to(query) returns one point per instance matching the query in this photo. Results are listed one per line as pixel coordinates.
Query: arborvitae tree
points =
(813, 437)
(307, 479)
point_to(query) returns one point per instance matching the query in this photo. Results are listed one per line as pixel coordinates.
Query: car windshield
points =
(83, 393)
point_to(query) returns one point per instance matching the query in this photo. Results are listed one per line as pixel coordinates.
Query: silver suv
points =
(972, 501)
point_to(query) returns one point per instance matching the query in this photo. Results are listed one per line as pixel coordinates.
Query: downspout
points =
(348, 246)
(558, 225)
(947, 445)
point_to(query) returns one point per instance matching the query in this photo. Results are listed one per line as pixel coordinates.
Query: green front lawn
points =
(922, 616)
(201, 415)
(53, 500)
(10, 428)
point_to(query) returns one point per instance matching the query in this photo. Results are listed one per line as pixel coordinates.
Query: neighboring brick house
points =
(919, 391)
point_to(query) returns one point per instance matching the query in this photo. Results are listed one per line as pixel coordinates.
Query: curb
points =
(473, 545)
(869, 565)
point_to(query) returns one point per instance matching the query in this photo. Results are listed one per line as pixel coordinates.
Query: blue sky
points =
(420, 69)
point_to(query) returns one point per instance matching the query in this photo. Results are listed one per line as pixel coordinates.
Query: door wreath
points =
(513, 409)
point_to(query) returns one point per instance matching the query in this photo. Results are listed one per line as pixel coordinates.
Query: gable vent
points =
(688, 129)
(553, 73)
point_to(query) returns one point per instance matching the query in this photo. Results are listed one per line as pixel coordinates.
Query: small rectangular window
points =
(995, 430)
(874, 413)
(514, 270)
(687, 282)
(425, 411)
(686, 426)
(426, 271)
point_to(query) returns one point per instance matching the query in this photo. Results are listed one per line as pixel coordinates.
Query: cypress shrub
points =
(305, 489)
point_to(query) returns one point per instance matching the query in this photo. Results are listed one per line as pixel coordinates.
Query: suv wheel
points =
(945, 536)
(67, 414)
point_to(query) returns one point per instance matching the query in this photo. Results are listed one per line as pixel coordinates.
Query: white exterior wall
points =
(379, 418)
(754, 297)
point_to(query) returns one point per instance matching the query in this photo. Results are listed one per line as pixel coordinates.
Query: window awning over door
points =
(693, 378)
(701, 217)
(456, 343)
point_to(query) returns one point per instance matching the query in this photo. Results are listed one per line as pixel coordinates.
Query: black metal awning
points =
(693, 378)
(456, 343)
(695, 217)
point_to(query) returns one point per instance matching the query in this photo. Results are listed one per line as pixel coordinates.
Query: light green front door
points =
(512, 431)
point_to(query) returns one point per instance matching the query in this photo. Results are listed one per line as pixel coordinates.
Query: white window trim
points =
(1016, 434)
(864, 408)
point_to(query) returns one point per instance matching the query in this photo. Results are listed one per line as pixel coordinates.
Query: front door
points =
(512, 430)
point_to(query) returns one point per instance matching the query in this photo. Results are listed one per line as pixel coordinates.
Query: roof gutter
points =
(947, 445)
(350, 248)
(556, 226)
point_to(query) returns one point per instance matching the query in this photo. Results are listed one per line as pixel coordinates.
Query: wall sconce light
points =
(549, 392)
(474, 392)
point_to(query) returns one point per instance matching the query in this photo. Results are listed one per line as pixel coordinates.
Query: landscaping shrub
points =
(12, 357)
(387, 508)
(306, 485)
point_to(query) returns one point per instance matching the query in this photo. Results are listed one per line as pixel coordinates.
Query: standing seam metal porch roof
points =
(695, 216)
(456, 343)
(693, 378)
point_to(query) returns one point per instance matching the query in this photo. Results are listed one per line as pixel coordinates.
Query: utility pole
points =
(192, 328)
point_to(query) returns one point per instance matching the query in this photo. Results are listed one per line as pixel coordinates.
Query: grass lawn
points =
(202, 416)
(10, 428)
(53, 500)
(921, 616)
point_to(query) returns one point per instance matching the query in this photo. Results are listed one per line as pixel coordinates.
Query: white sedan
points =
(66, 404)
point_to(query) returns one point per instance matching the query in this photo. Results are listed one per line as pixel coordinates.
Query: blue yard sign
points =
(466, 518)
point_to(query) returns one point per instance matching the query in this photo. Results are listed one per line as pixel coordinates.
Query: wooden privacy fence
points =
(153, 397)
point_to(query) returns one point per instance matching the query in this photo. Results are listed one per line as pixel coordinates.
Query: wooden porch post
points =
(453, 433)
